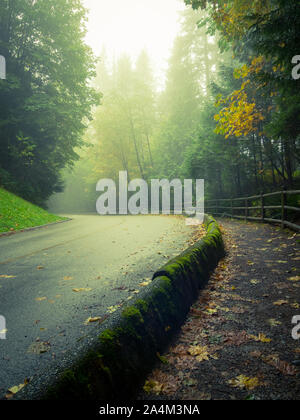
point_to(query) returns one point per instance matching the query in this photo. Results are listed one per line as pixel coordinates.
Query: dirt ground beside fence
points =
(237, 342)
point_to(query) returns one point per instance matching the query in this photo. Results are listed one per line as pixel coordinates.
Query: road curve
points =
(107, 257)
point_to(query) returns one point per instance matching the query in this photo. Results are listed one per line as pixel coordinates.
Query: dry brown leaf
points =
(284, 367)
(236, 338)
(39, 347)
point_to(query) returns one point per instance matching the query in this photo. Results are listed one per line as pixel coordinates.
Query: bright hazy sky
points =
(128, 26)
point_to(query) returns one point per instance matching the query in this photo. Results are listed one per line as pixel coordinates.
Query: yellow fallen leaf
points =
(40, 299)
(91, 320)
(254, 281)
(280, 302)
(14, 389)
(82, 289)
(274, 323)
(296, 278)
(67, 278)
(211, 311)
(223, 309)
(261, 338)
(153, 387)
(295, 305)
(243, 381)
(200, 352)
(112, 309)
(4, 276)
(145, 283)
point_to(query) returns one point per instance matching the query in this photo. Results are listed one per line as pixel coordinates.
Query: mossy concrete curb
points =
(116, 363)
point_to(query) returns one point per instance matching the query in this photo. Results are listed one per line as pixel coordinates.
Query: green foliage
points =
(46, 99)
(265, 33)
(17, 214)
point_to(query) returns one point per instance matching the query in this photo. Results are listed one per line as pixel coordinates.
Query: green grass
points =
(17, 214)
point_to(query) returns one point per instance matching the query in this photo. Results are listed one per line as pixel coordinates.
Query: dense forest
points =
(46, 99)
(228, 113)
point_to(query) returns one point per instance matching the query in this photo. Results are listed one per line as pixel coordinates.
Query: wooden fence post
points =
(263, 211)
(283, 209)
(246, 210)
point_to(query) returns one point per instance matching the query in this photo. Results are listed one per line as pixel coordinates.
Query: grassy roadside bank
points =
(17, 214)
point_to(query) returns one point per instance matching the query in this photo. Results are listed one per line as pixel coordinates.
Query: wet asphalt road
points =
(108, 257)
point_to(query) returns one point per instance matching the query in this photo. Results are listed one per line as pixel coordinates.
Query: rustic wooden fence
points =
(230, 207)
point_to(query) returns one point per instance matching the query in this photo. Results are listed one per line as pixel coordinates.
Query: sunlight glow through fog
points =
(128, 26)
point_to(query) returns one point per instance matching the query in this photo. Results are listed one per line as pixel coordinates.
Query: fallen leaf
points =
(91, 320)
(82, 289)
(280, 302)
(112, 309)
(67, 278)
(4, 276)
(39, 347)
(145, 283)
(153, 387)
(210, 311)
(236, 338)
(296, 278)
(284, 367)
(163, 359)
(15, 389)
(40, 299)
(274, 322)
(254, 281)
(243, 381)
(200, 352)
(261, 338)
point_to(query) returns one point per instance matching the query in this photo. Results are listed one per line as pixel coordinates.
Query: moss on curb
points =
(126, 352)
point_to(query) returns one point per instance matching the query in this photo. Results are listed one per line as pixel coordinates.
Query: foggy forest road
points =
(108, 257)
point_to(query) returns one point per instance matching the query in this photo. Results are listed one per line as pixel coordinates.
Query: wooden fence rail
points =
(228, 207)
